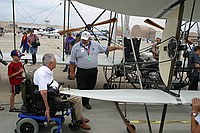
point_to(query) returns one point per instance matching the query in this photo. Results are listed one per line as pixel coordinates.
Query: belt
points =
(87, 68)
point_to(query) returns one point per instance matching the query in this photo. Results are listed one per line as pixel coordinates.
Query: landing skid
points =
(132, 129)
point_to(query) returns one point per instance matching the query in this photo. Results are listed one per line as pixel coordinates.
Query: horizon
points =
(31, 12)
(53, 12)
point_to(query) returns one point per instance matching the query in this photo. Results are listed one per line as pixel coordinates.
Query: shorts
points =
(15, 89)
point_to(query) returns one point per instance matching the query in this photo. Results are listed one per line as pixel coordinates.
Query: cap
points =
(85, 35)
(16, 53)
(78, 35)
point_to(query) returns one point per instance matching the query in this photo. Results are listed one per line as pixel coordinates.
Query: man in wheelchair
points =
(43, 78)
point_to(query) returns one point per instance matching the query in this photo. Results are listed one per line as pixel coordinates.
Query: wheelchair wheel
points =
(62, 121)
(18, 121)
(27, 125)
(54, 129)
(73, 126)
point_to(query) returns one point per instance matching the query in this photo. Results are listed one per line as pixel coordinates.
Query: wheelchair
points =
(32, 113)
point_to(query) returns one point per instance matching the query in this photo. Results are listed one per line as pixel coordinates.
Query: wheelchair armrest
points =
(61, 83)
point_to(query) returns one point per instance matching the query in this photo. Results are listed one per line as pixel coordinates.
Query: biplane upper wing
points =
(145, 8)
(136, 96)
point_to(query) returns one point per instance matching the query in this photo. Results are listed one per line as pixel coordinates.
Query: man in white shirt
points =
(43, 77)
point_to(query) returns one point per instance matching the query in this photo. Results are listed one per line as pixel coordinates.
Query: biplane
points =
(175, 12)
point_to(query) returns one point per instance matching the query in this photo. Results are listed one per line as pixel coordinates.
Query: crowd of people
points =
(43, 76)
(82, 68)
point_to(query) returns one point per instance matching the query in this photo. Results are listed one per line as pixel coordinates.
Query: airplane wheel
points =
(134, 128)
(27, 125)
(54, 129)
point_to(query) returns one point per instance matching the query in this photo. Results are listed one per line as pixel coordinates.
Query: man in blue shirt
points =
(84, 56)
(194, 65)
(68, 47)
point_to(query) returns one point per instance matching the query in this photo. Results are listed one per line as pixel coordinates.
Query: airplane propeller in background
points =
(150, 22)
(88, 27)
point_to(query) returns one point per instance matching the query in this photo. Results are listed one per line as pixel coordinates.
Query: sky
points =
(37, 11)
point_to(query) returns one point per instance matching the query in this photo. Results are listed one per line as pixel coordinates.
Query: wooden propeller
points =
(89, 25)
(148, 21)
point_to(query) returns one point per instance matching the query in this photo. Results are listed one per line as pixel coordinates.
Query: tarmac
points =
(103, 116)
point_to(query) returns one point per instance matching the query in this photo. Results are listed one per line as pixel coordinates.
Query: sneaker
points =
(87, 106)
(13, 109)
(84, 126)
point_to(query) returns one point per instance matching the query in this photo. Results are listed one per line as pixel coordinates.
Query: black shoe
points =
(87, 106)
(69, 77)
(64, 70)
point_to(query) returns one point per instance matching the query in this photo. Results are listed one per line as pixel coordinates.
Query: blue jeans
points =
(25, 49)
(33, 50)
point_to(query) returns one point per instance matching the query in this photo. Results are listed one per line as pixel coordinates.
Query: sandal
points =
(13, 109)
(1, 108)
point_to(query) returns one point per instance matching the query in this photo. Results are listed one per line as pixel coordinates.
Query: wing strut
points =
(126, 122)
(188, 31)
(170, 7)
(191, 16)
(148, 120)
(163, 118)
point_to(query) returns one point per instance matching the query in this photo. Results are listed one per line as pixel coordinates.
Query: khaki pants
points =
(77, 105)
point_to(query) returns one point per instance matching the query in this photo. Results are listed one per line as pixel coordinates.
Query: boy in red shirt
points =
(15, 70)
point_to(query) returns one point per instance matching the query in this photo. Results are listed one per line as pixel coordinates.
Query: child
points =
(24, 43)
(15, 70)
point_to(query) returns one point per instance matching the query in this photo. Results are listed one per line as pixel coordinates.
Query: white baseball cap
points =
(85, 35)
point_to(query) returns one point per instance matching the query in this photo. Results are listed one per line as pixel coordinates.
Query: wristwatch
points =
(194, 114)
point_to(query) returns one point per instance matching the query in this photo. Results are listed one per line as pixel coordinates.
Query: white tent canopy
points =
(144, 8)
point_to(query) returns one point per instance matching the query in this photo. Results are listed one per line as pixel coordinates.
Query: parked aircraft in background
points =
(49, 32)
(53, 33)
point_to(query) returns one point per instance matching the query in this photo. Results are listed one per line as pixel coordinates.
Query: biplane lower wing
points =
(136, 96)
(146, 97)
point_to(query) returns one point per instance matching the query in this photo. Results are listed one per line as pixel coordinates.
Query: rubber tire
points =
(29, 121)
(73, 127)
(134, 128)
(54, 129)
